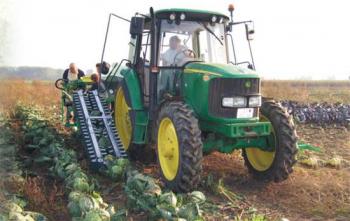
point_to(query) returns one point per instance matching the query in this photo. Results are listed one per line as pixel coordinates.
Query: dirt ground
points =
(320, 192)
(316, 191)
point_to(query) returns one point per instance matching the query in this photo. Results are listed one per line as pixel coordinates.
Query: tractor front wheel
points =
(276, 163)
(179, 147)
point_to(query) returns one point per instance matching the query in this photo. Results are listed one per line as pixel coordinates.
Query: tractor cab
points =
(196, 38)
(171, 41)
(186, 38)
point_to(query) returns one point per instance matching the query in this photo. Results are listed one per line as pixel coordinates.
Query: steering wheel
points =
(183, 52)
(59, 83)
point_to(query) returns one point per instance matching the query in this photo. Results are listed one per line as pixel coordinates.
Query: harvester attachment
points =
(97, 129)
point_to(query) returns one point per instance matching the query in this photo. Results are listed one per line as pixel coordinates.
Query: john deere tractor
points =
(180, 93)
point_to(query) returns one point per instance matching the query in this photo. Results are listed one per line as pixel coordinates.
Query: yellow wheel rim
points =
(168, 149)
(261, 160)
(122, 118)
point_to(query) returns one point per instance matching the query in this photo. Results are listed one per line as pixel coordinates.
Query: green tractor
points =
(179, 93)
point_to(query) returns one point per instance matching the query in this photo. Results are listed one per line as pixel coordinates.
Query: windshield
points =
(192, 41)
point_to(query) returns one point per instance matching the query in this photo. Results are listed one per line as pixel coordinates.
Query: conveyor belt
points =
(97, 128)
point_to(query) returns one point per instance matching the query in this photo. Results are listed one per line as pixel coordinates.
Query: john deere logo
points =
(248, 84)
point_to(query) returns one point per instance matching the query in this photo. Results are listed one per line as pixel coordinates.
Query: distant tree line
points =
(30, 73)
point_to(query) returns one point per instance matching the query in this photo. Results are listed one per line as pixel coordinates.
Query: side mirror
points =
(249, 29)
(136, 26)
(250, 66)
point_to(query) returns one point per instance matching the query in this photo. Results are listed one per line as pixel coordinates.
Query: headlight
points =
(234, 102)
(182, 16)
(255, 101)
(172, 16)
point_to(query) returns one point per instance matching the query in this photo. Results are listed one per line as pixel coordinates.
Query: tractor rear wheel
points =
(275, 164)
(122, 118)
(123, 123)
(179, 147)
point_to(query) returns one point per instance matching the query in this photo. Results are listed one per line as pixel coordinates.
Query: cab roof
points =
(191, 14)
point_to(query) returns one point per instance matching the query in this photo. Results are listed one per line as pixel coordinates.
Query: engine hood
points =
(219, 70)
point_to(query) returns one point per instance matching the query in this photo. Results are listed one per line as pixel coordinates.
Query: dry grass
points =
(45, 196)
(308, 91)
(46, 95)
(29, 92)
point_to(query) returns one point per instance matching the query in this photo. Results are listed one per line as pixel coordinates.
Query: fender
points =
(139, 117)
(131, 82)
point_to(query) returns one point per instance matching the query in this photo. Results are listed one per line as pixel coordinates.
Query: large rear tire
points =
(124, 125)
(276, 164)
(179, 147)
(122, 118)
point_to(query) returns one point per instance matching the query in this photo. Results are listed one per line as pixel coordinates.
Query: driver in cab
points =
(177, 54)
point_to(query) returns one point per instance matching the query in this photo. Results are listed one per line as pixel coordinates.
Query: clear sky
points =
(294, 38)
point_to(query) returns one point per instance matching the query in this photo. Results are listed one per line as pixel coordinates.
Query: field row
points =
(12, 189)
